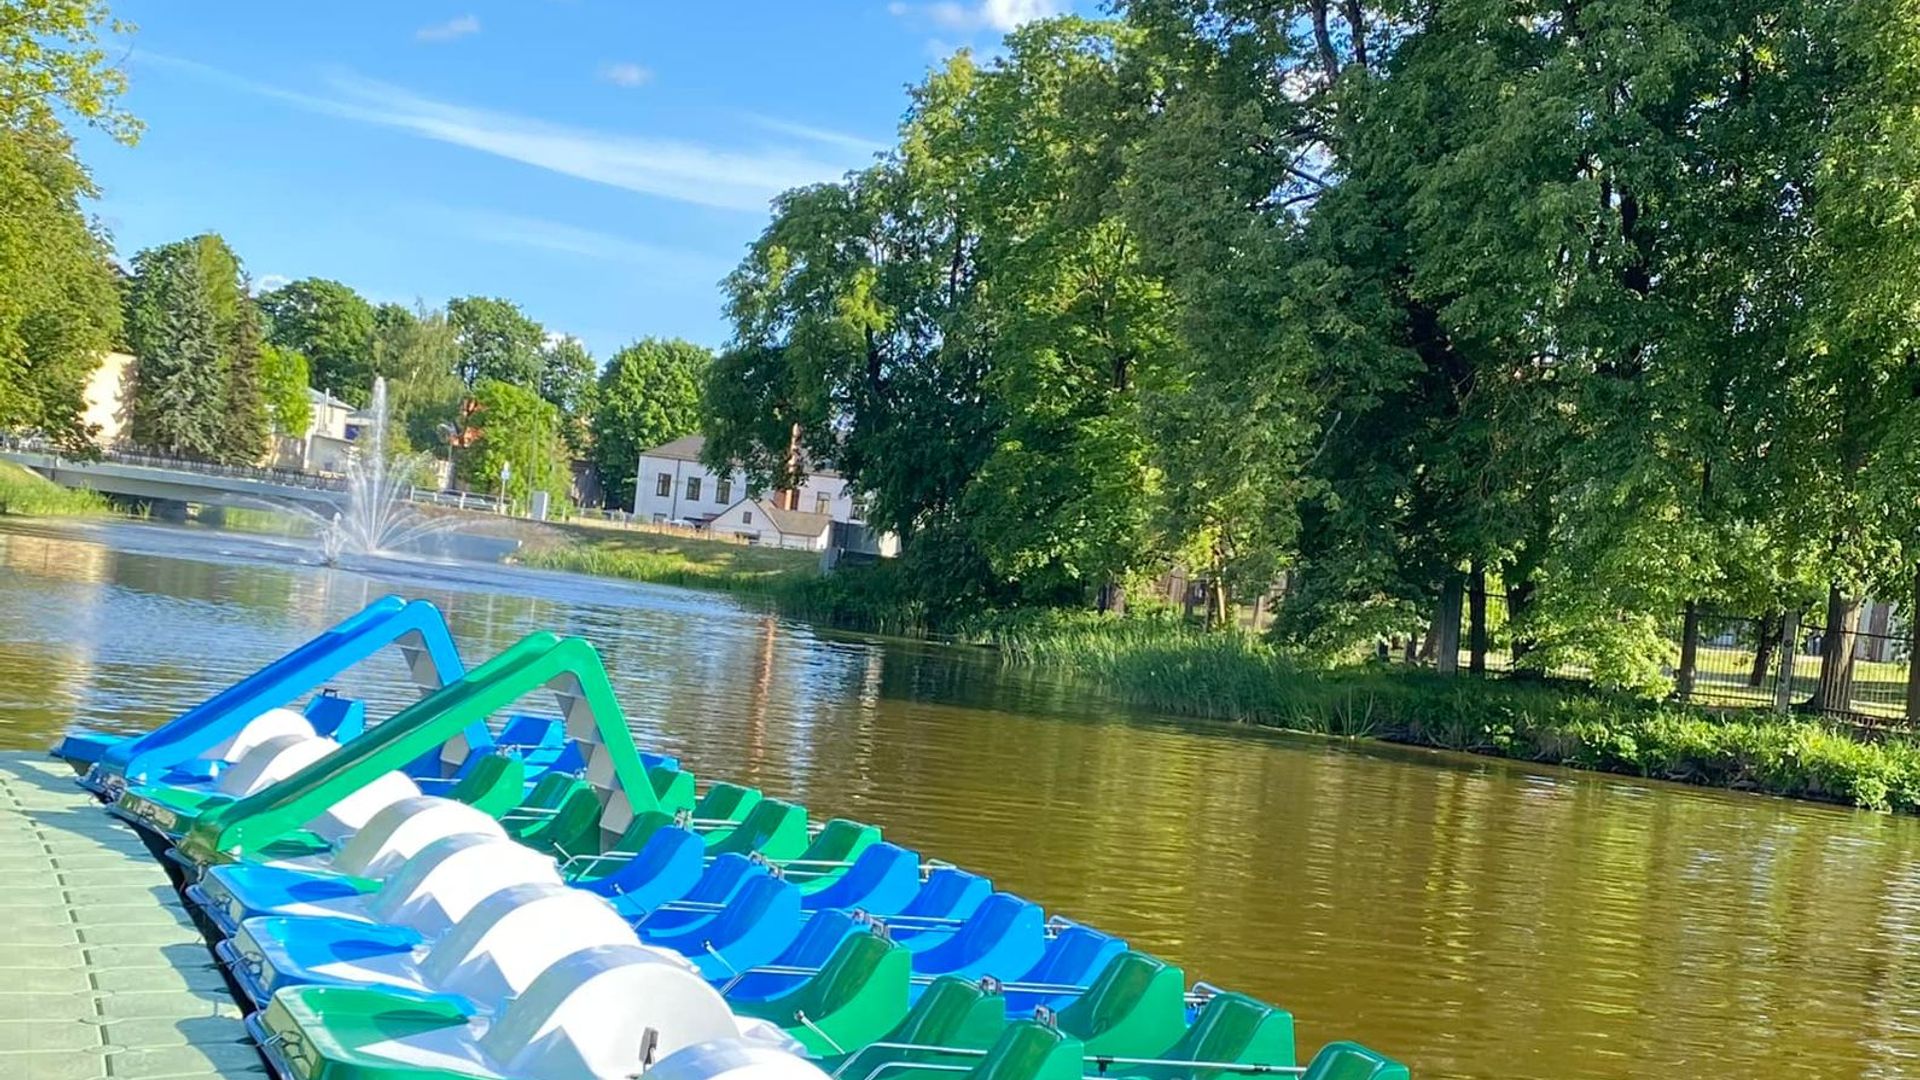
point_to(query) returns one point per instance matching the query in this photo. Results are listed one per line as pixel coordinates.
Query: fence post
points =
(1789, 649)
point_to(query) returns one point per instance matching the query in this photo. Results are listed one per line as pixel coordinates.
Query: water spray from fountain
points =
(376, 517)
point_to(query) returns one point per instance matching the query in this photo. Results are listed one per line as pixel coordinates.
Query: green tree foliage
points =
(333, 327)
(59, 307)
(176, 406)
(648, 393)
(416, 351)
(497, 341)
(517, 428)
(283, 387)
(566, 380)
(244, 421)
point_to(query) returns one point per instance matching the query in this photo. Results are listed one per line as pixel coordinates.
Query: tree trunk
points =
(1219, 610)
(1446, 625)
(1689, 652)
(1477, 619)
(1834, 692)
(1913, 654)
(1519, 596)
(1767, 639)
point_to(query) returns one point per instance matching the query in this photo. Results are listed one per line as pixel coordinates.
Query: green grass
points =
(26, 493)
(1163, 666)
(666, 559)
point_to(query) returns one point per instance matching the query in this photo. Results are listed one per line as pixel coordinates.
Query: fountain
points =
(378, 517)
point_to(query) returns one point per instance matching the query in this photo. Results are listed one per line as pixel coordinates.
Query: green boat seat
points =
(857, 996)
(1231, 1028)
(953, 1014)
(573, 828)
(1351, 1061)
(726, 802)
(672, 788)
(547, 794)
(493, 786)
(775, 829)
(840, 842)
(1136, 1007)
(1031, 1051)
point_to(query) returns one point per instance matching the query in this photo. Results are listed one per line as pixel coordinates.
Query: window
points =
(822, 503)
(746, 517)
(723, 490)
(693, 489)
(665, 487)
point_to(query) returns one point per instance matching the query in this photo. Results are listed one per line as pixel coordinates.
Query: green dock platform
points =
(102, 972)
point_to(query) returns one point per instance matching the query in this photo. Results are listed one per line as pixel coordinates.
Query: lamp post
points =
(452, 435)
(506, 473)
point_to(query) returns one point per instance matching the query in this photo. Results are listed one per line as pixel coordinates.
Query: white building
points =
(672, 486)
(328, 442)
(759, 521)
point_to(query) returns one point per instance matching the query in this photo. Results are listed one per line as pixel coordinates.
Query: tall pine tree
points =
(243, 420)
(178, 379)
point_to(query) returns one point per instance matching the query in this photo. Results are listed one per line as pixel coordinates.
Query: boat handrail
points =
(1100, 1062)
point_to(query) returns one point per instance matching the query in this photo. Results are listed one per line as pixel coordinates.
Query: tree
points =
(497, 341)
(649, 393)
(178, 378)
(566, 380)
(244, 423)
(333, 327)
(515, 428)
(416, 351)
(59, 306)
(283, 387)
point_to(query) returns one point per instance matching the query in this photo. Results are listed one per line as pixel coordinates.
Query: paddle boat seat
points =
(1351, 1061)
(831, 854)
(774, 828)
(723, 807)
(883, 880)
(718, 884)
(491, 954)
(753, 928)
(606, 1011)
(1005, 936)
(1031, 1051)
(948, 893)
(1136, 1008)
(953, 1014)
(820, 937)
(1075, 956)
(668, 866)
(435, 889)
(858, 996)
(1231, 1028)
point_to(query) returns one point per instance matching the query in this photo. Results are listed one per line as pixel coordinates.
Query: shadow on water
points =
(1476, 918)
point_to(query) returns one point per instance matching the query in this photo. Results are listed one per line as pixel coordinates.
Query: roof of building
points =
(688, 448)
(797, 522)
(325, 398)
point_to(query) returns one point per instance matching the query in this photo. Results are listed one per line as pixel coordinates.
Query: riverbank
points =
(669, 559)
(24, 493)
(1164, 666)
(1223, 676)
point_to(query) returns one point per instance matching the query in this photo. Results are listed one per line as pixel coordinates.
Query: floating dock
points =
(103, 974)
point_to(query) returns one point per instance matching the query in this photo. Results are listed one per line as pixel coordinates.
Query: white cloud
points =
(541, 234)
(825, 136)
(266, 283)
(728, 178)
(626, 74)
(457, 27)
(1000, 15)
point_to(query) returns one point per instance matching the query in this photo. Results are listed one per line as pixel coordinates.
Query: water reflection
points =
(1476, 918)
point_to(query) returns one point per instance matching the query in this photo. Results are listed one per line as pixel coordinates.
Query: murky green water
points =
(1474, 918)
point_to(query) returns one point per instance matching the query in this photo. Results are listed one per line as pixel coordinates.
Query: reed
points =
(25, 493)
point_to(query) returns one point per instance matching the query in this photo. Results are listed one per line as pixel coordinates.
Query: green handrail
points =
(570, 667)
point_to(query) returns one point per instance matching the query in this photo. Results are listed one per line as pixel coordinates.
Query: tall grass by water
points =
(25, 493)
(665, 559)
(1167, 667)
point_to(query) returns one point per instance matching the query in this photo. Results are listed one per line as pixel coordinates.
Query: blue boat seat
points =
(1075, 957)
(883, 880)
(717, 886)
(948, 893)
(754, 928)
(818, 940)
(667, 867)
(1004, 937)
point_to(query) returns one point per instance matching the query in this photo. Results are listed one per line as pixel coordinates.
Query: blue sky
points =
(602, 162)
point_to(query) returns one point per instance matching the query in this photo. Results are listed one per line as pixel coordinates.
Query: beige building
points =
(106, 397)
(759, 521)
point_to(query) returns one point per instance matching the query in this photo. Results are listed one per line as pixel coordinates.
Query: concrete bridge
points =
(168, 482)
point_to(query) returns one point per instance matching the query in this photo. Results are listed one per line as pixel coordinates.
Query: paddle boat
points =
(584, 909)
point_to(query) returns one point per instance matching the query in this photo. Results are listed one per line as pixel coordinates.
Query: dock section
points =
(102, 972)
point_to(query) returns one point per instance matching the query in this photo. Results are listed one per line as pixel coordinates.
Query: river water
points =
(1474, 918)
